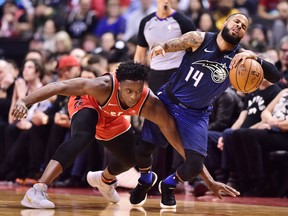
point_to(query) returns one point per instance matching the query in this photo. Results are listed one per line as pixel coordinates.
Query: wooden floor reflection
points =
(83, 202)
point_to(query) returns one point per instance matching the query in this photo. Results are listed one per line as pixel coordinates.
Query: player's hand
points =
(218, 187)
(20, 110)
(157, 50)
(240, 58)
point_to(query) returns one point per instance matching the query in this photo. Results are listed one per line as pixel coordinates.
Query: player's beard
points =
(229, 38)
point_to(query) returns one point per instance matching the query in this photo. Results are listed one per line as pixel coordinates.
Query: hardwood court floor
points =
(83, 202)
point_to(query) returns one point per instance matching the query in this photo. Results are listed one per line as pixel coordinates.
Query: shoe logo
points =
(28, 198)
(208, 51)
(228, 57)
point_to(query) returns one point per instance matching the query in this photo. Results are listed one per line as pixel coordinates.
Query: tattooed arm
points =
(188, 40)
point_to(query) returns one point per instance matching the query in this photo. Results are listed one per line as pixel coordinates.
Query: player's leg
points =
(150, 134)
(123, 149)
(186, 172)
(82, 134)
(193, 128)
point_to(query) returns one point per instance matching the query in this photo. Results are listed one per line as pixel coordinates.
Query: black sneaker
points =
(167, 195)
(138, 195)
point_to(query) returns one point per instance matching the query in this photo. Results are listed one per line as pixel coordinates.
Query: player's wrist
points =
(155, 45)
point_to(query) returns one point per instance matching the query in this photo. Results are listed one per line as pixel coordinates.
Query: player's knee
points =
(144, 152)
(84, 137)
(192, 167)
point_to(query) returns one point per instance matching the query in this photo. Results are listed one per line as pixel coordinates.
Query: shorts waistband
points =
(175, 100)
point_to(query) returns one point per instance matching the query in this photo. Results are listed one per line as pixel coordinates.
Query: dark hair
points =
(38, 67)
(237, 14)
(131, 70)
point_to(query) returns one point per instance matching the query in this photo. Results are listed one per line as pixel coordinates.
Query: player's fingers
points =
(219, 195)
(234, 62)
(231, 191)
(243, 60)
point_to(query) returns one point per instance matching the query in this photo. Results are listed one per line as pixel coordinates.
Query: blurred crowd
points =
(88, 38)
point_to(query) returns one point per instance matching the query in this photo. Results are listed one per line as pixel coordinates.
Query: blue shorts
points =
(192, 126)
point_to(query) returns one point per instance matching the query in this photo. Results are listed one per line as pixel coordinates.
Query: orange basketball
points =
(247, 77)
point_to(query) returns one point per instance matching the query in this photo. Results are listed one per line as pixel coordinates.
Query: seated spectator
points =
(282, 64)
(270, 134)
(279, 26)
(113, 21)
(6, 92)
(50, 127)
(80, 21)
(17, 130)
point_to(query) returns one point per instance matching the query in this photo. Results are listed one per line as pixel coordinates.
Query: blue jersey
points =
(203, 74)
(188, 96)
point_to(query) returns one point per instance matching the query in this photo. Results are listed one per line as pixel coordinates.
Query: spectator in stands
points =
(267, 9)
(248, 7)
(97, 62)
(113, 21)
(15, 21)
(205, 22)
(81, 21)
(282, 64)
(89, 43)
(78, 53)
(62, 43)
(224, 8)
(194, 10)
(16, 132)
(254, 143)
(259, 41)
(279, 27)
(6, 92)
(135, 17)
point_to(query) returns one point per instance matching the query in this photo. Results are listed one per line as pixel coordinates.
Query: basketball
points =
(246, 77)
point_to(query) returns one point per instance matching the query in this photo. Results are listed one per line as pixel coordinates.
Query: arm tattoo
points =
(188, 40)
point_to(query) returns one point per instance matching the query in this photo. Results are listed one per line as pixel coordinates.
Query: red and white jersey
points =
(113, 106)
(111, 119)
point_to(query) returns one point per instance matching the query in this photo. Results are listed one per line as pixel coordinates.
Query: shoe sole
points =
(26, 203)
(161, 204)
(143, 201)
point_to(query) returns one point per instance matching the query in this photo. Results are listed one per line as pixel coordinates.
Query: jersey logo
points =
(111, 104)
(208, 51)
(78, 103)
(218, 71)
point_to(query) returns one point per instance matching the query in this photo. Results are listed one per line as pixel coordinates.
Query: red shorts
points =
(107, 128)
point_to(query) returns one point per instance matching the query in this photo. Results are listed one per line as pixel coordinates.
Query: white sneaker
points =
(108, 191)
(36, 197)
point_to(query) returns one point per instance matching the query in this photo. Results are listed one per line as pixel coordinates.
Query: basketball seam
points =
(247, 78)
